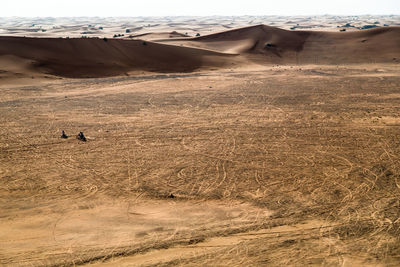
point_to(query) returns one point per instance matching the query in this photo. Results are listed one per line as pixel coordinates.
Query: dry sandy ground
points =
(275, 165)
(280, 154)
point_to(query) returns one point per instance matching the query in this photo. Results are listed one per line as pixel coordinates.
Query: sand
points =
(93, 57)
(108, 27)
(279, 146)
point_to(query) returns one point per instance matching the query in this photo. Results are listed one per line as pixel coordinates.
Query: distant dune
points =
(305, 47)
(90, 57)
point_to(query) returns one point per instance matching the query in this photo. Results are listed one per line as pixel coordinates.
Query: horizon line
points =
(161, 16)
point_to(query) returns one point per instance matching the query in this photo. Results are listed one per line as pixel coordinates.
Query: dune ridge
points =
(261, 44)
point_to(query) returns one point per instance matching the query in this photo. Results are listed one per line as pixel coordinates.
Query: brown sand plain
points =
(280, 147)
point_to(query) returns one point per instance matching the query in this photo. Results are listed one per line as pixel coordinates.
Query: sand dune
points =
(92, 57)
(76, 27)
(304, 47)
(370, 46)
(88, 57)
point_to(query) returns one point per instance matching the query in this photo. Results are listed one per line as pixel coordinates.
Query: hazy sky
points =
(195, 8)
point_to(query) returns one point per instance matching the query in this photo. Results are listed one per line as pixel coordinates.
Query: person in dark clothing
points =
(63, 135)
(81, 137)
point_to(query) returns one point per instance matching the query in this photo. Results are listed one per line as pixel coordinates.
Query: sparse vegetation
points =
(365, 27)
(269, 45)
(347, 25)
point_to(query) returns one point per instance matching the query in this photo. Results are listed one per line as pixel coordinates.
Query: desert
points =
(209, 141)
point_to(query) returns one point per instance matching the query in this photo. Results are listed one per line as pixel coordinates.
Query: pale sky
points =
(70, 8)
